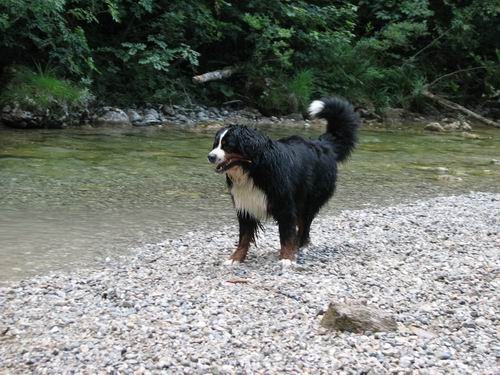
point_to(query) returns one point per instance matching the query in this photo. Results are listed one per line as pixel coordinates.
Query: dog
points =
(287, 180)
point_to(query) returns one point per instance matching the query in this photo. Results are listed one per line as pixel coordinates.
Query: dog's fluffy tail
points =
(343, 123)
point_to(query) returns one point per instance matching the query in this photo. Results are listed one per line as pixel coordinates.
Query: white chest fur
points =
(247, 197)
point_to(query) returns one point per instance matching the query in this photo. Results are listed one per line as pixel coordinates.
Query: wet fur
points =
(293, 177)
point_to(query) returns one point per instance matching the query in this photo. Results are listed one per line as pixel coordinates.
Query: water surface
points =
(72, 197)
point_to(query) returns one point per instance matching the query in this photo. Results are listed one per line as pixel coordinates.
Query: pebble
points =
(432, 272)
(405, 361)
(445, 355)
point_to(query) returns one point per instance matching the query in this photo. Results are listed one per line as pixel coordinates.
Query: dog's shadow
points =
(308, 258)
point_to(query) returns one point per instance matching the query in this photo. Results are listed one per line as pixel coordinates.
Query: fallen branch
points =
(456, 72)
(457, 107)
(215, 75)
(232, 102)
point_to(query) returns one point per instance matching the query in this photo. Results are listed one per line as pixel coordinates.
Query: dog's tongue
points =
(222, 167)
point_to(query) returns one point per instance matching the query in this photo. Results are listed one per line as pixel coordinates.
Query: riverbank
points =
(201, 117)
(173, 307)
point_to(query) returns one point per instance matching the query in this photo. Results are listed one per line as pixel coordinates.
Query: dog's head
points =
(236, 145)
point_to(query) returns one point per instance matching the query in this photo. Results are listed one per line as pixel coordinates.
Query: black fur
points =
(297, 175)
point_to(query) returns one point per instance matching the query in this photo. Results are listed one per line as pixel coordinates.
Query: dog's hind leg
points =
(248, 232)
(304, 226)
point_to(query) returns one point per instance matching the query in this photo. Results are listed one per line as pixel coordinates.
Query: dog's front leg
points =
(288, 238)
(248, 231)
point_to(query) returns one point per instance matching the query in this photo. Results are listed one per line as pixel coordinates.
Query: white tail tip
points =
(316, 107)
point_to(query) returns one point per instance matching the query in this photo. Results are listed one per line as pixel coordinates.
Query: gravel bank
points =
(432, 264)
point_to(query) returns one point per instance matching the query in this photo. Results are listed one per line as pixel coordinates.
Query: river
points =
(73, 197)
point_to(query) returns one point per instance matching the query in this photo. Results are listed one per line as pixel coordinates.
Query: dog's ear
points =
(252, 142)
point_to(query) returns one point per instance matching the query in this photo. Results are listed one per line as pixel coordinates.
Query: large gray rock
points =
(434, 127)
(357, 318)
(151, 117)
(19, 118)
(168, 110)
(112, 116)
(133, 116)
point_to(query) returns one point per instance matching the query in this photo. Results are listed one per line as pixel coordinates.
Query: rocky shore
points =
(151, 115)
(430, 266)
(202, 117)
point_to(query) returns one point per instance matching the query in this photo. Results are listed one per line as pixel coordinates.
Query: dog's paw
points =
(287, 263)
(231, 262)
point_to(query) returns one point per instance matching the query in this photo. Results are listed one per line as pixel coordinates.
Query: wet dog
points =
(287, 180)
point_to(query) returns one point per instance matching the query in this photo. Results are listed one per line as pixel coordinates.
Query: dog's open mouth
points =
(228, 164)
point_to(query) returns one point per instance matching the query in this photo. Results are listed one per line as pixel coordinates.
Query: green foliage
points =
(42, 91)
(380, 52)
(302, 87)
(286, 95)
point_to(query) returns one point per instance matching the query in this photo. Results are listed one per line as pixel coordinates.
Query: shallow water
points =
(72, 197)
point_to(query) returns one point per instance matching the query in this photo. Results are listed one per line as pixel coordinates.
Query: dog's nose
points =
(212, 158)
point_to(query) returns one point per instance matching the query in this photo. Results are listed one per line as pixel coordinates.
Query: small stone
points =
(449, 178)
(470, 135)
(226, 370)
(469, 324)
(445, 355)
(433, 169)
(405, 361)
(481, 322)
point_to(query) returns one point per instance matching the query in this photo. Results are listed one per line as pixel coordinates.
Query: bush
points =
(43, 92)
(379, 52)
(287, 95)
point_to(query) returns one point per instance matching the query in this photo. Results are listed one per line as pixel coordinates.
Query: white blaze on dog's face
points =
(218, 155)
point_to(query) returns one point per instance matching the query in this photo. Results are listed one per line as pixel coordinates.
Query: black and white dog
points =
(288, 180)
